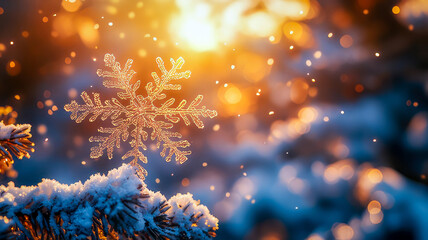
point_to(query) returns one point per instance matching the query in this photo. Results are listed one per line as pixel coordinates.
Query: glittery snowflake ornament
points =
(140, 114)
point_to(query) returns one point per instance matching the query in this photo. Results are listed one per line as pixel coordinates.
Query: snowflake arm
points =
(161, 135)
(162, 83)
(191, 111)
(111, 108)
(140, 113)
(117, 133)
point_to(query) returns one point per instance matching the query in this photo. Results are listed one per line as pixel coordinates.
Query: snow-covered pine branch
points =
(116, 206)
(14, 140)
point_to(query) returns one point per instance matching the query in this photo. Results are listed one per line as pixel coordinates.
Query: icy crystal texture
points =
(140, 118)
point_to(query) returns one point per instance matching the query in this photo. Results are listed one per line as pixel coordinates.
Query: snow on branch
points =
(116, 206)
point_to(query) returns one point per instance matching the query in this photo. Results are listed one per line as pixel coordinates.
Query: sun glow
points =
(198, 34)
(195, 28)
(202, 25)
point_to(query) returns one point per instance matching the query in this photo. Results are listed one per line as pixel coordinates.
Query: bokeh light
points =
(322, 119)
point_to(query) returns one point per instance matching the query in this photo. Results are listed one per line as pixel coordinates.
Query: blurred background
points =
(322, 130)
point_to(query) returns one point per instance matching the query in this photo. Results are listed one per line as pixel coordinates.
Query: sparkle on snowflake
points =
(140, 113)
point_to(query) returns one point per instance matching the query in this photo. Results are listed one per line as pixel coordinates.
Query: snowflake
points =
(140, 114)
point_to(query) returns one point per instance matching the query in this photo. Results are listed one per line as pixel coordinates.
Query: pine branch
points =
(116, 206)
(14, 139)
